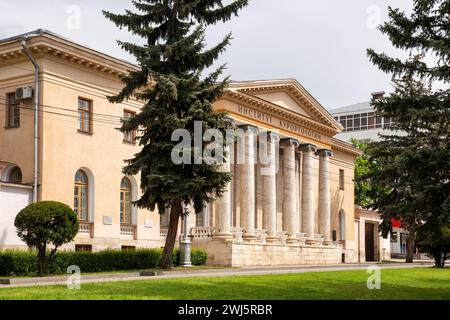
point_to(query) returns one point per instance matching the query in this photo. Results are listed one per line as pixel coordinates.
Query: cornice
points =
(295, 91)
(49, 45)
(346, 147)
(261, 104)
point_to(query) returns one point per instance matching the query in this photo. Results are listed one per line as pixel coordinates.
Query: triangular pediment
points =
(283, 99)
(289, 96)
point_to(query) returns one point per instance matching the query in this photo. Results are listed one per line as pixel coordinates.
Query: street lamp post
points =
(185, 242)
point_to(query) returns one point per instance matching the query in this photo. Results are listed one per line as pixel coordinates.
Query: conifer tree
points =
(414, 159)
(176, 93)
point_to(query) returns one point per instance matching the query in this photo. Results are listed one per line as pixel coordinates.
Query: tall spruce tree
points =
(414, 160)
(176, 94)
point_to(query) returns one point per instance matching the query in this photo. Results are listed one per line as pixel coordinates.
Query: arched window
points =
(164, 218)
(125, 202)
(341, 224)
(81, 196)
(203, 218)
(15, 175)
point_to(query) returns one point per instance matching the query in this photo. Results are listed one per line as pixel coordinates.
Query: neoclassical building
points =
(295, 207)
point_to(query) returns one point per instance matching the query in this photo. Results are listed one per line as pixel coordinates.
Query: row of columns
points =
(290, 214)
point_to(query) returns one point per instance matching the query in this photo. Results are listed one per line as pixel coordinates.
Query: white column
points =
(223, 205)
(325, 196)
(308, 193)
(248, 185)
(289, 189)
(269, 172)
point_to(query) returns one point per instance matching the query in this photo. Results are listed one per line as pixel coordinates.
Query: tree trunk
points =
(167, 259)
(437, 260)
(411, 243)
(41, 261)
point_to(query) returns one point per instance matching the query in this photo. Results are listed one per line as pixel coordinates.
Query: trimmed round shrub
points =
(46, 223)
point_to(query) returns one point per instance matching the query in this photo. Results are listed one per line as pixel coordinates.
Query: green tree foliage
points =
(46, 223)
(434, 238)
(415, 158)
(171, 82)
(366, 193)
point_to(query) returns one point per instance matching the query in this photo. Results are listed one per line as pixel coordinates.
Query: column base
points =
(311, 240)
(292, 240)
(250, 237)
(272, 239)
(223, 235)
(328, 243)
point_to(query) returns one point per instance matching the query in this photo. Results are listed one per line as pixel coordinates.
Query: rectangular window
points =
(394, 237)
(341, 180)
(129, 136)
(357, 124)
(343, 121)
(379, 121)
(83, 248)
(363, 121)
(387, 123)
(12, 111)
(349, 124)
(84, 115)
(371, 121)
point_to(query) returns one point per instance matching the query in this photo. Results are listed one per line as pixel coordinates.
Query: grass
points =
(412, 284)
(119, 272)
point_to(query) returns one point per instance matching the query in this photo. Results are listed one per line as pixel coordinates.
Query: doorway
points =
(370, 242)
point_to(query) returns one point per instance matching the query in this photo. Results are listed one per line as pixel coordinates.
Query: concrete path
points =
(246, 271)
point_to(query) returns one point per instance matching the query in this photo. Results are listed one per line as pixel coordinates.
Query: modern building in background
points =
(304, 214)
(361, 122)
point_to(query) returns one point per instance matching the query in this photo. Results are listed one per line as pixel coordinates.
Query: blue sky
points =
(320, 43)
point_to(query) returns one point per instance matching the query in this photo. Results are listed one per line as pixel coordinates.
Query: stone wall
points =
(232, 254)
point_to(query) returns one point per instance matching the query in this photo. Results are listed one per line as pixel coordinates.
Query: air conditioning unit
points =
(24, 93)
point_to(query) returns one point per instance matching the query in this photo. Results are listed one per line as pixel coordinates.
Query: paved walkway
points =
(189, 273)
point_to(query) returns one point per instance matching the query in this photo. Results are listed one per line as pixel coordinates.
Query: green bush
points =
(23, 263)
(44, 223)
(18, 263)
(198, 257)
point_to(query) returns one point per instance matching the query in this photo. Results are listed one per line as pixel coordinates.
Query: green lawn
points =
(417, 283)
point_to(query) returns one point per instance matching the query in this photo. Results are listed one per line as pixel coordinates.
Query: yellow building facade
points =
(306, 210)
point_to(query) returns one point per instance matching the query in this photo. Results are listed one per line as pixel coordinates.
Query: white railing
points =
(202, 233)
(237, 233)
(126, 230)
(85, 227)
(164, 231)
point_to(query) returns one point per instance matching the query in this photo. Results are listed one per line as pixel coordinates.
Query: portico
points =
(281, 205)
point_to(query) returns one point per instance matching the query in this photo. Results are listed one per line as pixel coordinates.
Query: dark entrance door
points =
(370, 250)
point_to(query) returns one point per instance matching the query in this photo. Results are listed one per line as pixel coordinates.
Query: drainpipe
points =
(36, 118)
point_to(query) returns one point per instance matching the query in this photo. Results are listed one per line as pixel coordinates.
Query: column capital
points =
(324, 153)
(289, 142)
(233, 121)
(308, 147)
(273, 136)
(248, 127)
